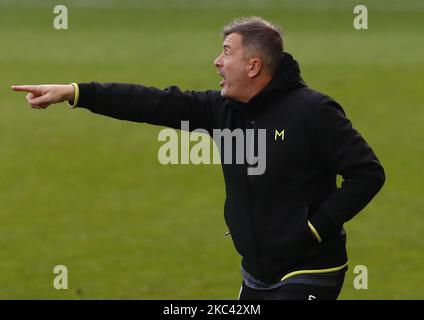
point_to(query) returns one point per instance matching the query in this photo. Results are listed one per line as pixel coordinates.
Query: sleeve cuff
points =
(74, 103)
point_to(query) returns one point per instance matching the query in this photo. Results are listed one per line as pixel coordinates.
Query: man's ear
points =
(255, 67)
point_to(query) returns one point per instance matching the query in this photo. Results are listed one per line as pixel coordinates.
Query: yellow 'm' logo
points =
(279, 134)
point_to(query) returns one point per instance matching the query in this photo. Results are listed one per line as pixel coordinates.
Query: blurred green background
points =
(88, 192)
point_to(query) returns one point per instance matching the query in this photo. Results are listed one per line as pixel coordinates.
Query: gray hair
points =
(261, 37)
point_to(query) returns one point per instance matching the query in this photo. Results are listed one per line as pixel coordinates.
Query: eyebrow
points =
(226, 46)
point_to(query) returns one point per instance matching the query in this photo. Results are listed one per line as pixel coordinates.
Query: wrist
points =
(69, 92)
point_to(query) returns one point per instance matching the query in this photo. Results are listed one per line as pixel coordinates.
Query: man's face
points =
(233, 67)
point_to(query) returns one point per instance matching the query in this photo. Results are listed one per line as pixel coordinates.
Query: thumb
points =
(40, 101)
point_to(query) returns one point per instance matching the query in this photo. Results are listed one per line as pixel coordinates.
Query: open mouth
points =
(222, 81)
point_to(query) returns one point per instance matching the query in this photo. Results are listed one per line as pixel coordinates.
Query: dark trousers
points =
(293, 291)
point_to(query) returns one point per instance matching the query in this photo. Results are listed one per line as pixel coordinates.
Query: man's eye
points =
(226, 53)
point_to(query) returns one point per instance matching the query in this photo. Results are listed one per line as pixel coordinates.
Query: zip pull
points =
(227, 233)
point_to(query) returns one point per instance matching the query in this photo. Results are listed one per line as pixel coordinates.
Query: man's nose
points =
(218, 62)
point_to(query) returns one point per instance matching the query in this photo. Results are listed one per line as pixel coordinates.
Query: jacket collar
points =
(286, 78)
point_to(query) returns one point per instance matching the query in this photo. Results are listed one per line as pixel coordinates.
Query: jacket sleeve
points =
(344, 151)
(138, 103)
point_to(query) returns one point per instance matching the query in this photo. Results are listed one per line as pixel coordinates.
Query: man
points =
(286, 223)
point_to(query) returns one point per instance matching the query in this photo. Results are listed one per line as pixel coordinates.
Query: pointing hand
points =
(41, 96)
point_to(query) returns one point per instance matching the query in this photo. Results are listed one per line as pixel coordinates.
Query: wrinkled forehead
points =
(233, 41)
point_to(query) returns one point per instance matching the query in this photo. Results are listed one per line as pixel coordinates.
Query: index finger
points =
(25, 88)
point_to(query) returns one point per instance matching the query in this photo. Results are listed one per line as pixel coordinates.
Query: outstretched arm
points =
(133, 102)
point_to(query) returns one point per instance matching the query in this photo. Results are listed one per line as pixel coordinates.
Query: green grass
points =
(88, 191)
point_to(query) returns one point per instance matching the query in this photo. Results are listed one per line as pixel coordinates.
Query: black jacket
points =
(268, 214)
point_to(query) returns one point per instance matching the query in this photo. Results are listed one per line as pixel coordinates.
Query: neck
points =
(256, 86)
